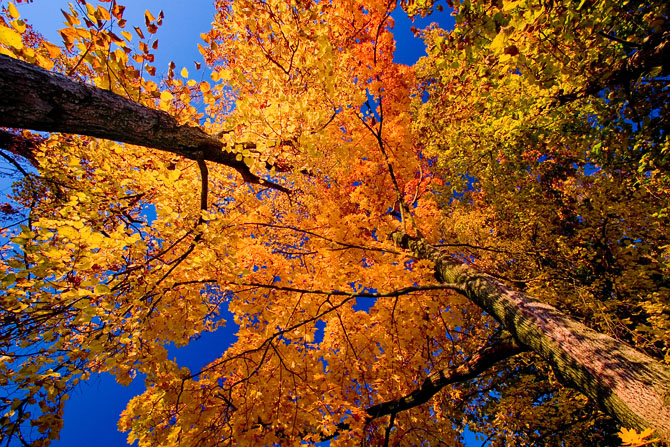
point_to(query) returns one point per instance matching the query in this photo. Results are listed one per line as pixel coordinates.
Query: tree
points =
(530, 145)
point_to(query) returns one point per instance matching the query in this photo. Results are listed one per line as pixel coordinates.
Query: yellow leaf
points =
(508, 6)
(498, 42)
(12, 11)
(10, 38)
(101, 289)
(184, 72)
(225, 74)
(103, 13)
(127, 35)
(174, 175)
(44, 62)
(148, 16)
(53, 50)
(19, 26)
(166, 96)
(90, 11)
(632, 438)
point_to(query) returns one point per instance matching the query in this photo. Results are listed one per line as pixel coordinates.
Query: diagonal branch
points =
(479, 363)
(626, 383)
(34, 98)
(484, 359)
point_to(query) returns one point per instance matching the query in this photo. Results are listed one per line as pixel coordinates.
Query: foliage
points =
(521, 143)
(572, 185)
(635, 439)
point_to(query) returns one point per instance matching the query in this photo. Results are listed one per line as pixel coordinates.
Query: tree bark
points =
(37, 99)
(629, 385)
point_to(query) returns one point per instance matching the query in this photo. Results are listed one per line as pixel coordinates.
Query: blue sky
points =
(93, 409)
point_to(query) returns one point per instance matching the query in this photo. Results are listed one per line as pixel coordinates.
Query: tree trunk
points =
(37, 99)
(627, 384)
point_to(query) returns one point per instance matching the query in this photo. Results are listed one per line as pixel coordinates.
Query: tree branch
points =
(481, 361)
(34, 98)
(626, 383)
(398, 292)
(484, 359)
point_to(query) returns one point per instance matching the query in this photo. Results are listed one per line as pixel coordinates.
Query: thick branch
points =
(34, 98)
(627, 384)
(484, 359)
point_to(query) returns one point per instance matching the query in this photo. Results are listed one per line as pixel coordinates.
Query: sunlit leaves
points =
(633, 438)
(128, 250)
(10, 38)
(547, 181)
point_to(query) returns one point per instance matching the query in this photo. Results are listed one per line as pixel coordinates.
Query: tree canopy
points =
(479, 241)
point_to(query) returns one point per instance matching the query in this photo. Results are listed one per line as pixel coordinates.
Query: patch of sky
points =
(206, 347)
(409, 45)
(473, 438)
(470, 182)
(320, 332)
(148, 212)
(371, 106)
(94, 408)
(363, 304)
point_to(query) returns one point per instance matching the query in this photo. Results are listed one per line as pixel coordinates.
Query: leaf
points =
(90, 11)
(13, 12)
(498, 42)
(184, 73)
(166, 96)
(632, 438)
(101, 289)
(103, 13)
(10, 38)
(52, 49)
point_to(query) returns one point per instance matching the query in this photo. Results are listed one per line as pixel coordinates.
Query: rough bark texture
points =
(629, 385)
(34, 98)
